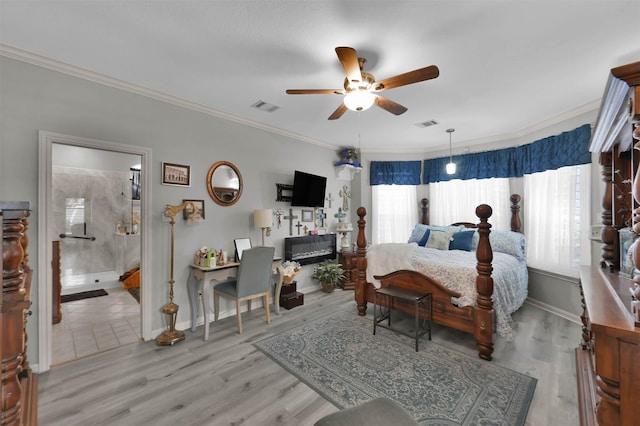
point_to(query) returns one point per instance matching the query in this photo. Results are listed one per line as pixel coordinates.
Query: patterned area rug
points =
(341, 359)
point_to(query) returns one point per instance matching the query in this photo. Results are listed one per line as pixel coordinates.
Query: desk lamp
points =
(263, 219)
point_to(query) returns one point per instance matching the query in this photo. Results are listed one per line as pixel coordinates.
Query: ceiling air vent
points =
(265, 106)
(427, 123)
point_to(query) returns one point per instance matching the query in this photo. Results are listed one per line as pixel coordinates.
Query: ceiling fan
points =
(360, 87)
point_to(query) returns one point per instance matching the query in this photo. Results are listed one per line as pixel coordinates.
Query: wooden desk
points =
(201, 275)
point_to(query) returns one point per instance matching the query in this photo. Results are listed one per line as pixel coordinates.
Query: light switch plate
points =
(596, 232)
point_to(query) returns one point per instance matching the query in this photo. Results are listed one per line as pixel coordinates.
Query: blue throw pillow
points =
(462, 240)
(425, 238)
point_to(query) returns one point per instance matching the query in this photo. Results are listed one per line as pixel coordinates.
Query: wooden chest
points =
(290, 297)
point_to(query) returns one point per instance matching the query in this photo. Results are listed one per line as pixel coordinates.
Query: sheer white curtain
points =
(456, 201)
(557, 219)
(395, 213)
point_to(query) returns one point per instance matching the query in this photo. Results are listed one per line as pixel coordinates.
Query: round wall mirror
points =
(224, 183)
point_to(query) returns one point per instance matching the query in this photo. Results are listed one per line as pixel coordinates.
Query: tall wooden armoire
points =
(18, 386)
(608, 358)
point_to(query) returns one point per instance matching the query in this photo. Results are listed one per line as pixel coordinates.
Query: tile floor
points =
(90, 326)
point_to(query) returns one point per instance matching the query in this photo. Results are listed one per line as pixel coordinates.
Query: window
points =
(456, 201)
(557, 219)
(75, 216)
(395, 213)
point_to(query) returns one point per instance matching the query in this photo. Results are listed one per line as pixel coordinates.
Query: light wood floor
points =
(226, 381)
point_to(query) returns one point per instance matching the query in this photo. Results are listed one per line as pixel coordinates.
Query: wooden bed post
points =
(609, 234)
(425, 211)
(361, 264)
(515, 210)
(484, 315)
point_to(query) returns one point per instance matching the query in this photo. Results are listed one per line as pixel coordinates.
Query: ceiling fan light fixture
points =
(359, 100)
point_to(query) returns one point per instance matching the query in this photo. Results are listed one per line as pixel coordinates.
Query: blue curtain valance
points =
(566, 149)
(481, 165)
(395, 173)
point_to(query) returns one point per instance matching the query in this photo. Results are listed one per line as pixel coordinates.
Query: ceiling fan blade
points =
(314, 91)
(349, 60)
(339, 112)
(410, 77)
(389, 105)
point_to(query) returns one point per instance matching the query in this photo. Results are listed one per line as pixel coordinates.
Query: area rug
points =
(135, 292)
(339, 357)
(83, 295)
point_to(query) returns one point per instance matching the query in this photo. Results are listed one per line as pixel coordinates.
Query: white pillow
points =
(439, 240)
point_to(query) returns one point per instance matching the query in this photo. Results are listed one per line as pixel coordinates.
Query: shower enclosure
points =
(95, 211)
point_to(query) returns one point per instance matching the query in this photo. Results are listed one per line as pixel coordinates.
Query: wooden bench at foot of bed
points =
(478, 320)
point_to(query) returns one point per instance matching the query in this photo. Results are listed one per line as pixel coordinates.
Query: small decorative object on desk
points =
(212, 258)
(207, 258)
(201, 256)
(291, 268)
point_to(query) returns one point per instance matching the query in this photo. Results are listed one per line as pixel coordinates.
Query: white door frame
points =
(45, 229)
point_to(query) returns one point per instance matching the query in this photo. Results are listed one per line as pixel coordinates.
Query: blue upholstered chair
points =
(253, 281)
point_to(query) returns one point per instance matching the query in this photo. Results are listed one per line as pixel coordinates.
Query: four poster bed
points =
(461, 281)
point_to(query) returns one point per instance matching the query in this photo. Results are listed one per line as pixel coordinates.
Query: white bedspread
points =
(456, 270)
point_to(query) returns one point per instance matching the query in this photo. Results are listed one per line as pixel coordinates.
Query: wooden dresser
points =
(608, 358)
(18, 386)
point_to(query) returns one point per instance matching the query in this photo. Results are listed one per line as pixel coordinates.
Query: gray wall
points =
(34, 99)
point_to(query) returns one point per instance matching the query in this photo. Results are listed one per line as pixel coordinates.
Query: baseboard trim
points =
(554, 310)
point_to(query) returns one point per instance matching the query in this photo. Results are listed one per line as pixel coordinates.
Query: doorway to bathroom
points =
(96, 215)
(94, 199)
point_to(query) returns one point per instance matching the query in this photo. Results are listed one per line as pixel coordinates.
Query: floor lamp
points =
(171, 335)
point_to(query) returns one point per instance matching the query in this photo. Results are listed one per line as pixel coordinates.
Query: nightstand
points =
(348, 262)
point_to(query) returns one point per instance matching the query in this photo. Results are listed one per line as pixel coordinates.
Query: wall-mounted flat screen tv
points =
(308, 190)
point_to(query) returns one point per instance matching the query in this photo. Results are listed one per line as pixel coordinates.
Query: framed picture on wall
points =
(626, 237)
(307, 215)
(176, 174)
(194, 212)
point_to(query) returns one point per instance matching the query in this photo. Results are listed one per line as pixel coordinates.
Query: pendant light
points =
(451, 166)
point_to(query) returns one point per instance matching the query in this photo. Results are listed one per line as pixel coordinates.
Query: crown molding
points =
(95, 77)
(511, 137)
